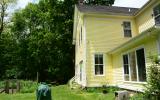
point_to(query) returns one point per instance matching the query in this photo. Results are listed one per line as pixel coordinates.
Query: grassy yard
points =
(61, 93)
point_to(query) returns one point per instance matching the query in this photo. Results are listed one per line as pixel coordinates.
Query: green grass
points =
(61, 93)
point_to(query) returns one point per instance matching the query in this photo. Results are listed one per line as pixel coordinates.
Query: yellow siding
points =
(79, 49)
(150, 47)
(103, 34)
(145, 20)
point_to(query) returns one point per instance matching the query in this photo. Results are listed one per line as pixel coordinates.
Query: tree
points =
(4, 5)
(99, 2)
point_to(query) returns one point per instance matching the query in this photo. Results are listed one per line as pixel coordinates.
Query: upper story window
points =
(98, 64)
(156, 12)
(127, 29)
(80, 36)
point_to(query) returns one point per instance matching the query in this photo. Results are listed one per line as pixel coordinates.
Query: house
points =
(113, 44)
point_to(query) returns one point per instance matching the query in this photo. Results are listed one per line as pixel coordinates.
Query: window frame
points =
(127, 65)
(99, 64)
(137, 71)
(156, 16)
(127, 29)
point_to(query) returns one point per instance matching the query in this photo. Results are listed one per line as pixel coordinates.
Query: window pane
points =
(98, 69)
(127, 25)
(125, 59)
(133, 69)
(157, 20)
(101, 69)
(156, 10)
(126, 77)
(100, 59)
(81, 34)
(127, 33)
(126, 69)
(96, 59)
(141, 65)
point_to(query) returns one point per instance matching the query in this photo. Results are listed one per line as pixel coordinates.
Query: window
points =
(80, 36)
(133, 69)
(80, 66)
(79, 39)
(98, 64)
(134, 66)
(141, 65)
(126, 67)
(156, 12)
(127, 29)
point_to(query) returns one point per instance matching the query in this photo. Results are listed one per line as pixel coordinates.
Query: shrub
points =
(153, 84)
(101, 89)
(2, 84)
(28, 86)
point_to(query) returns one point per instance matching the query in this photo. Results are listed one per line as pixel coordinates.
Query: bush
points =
(2, 84)
(28, 86)
(101, 89)
(153, 84)
(138, 96)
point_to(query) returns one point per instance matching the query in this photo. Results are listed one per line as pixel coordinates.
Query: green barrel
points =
(44, 92)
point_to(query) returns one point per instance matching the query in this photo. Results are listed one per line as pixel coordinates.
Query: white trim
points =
(85, 51)
(129, 67)
(137, 66)
(127, 53)
(99, 64)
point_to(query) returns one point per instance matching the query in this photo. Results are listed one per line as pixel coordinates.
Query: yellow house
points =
(112, 44)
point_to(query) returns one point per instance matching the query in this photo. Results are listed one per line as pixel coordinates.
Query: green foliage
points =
(153, 83)
(28, 86)
(99, 2)
(2, 84)
(109, 89)
(137, 96)
(39, 40)
(61, 93)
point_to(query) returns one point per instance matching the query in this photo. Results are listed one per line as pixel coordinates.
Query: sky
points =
(121, 3)
(23, 3)
(130, 3)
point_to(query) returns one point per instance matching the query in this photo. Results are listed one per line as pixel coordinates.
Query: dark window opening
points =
(127, 29)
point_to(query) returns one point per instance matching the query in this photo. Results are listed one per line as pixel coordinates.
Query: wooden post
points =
(37, 77)
(7, 87)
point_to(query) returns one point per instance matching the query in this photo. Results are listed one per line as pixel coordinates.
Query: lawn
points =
(61, 93)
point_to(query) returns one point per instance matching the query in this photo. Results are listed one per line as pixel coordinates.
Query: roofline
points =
(143, 35)
(108, 13)
(113, 14)
(134, 15)
(145, 6)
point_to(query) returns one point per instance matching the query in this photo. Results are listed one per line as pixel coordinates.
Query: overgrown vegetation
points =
(61, 92)
(25, 86)
(108, 89)
(153, 86)
(28, 86)
(152, 91)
